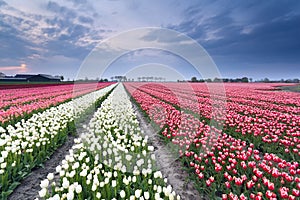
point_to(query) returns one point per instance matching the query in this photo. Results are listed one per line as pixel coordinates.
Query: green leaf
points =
(13, 186)
(5, 194)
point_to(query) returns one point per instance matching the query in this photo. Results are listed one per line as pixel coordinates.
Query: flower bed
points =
(271, 131)
(222, 166)
(29, 142)
(20, 103)
(112, 160)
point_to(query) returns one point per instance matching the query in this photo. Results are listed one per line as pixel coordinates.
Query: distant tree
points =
(194, 79)
(208, 80)
(62, 78)
(266, 80)
(250, 79)
(245, 80)
(217, 80)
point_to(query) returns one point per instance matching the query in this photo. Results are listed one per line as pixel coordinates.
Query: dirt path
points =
(30, 186)
(169, 165)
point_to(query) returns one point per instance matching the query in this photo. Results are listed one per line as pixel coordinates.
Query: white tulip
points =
(70, 195)
(159, 189)
(151, 148)
(113, 183)
(132, 197)
(4, 154)
(44, 183)
(134, 179)
(3, 165)
(83, 173)
(94, 187)
(122, 194)
(158, 174)
(98, 195)
(50, 176)
(43, 192)
(78, 189)
(137, 193)
(58, 169)
(157, 196)
(65, 183)
(146, 195)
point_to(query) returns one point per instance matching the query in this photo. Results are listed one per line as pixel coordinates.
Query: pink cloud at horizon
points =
(21, 68)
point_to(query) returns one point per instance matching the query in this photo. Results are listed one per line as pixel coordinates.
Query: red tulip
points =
(227, 184)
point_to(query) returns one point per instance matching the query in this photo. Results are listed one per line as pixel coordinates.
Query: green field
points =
(293, 88)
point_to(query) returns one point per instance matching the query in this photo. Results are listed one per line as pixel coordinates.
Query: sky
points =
(256, 39)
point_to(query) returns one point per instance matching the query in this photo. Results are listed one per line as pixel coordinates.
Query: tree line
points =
(245, 80)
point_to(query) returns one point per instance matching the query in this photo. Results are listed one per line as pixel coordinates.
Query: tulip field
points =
(244, 145)
(254, 156)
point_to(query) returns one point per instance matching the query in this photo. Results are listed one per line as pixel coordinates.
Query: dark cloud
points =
(12, 42)
(14, 47)
(61, 10)
(276, 40)
(2, 3)
(79, 1)
(67, 49)
(86, 20)
(59, 38)
(273, 31)
(74, 32)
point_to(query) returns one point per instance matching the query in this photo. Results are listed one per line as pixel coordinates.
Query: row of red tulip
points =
(257, 92)
(257, 124)
(221, 163)
(251, 96)
(21, 96)
(16, 103)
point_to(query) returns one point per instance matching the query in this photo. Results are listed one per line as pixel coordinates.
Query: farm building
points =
(29, 78)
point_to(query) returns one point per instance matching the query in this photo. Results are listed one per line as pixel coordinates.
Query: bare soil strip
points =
(171, 168)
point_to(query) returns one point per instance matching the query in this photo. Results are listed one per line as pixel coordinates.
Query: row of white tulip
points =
(29, 142)
(112, 160)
